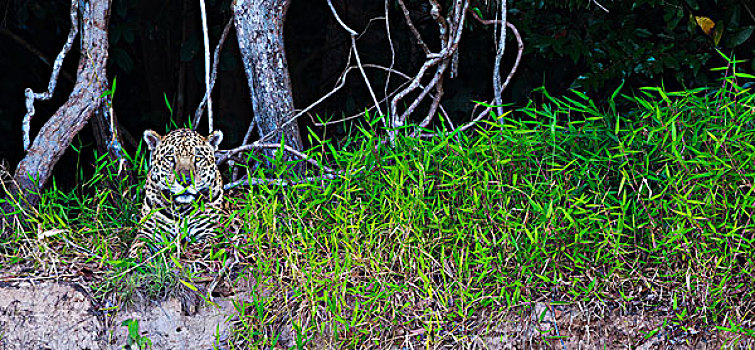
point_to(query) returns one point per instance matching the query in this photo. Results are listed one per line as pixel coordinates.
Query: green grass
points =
(441, 236)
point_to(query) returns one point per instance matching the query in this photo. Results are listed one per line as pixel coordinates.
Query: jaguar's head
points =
(182, 165)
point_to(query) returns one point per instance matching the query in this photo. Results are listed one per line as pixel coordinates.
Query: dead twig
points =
(393, 53)
(450, 30)
(225, 155)
(413, 29)
(213, 76)
(206, 38)
(520, 49)
(497, 86)
(353, 35)
(599, 5)
(29, 47)
(388, 95)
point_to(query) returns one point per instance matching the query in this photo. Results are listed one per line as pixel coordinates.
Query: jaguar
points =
(183, 193)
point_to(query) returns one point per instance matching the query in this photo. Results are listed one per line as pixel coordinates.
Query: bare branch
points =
(450, 34)
(244, 148)
(206, 63)
(436, 99)
(280, 182)
(497, 87)
(213, 75)
(599, 5)
(393, 55)
(85, 100)
(413, 29)
(388, 95)
(436, 78)
(35, 51)
(354, 34)
(30, 95)
(442, 24)
(520, 48)
(395, 120)
(748, 10)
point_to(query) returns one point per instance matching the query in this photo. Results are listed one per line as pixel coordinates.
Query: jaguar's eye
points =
(198, 159)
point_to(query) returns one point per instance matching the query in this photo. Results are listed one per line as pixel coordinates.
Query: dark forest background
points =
(156, 55)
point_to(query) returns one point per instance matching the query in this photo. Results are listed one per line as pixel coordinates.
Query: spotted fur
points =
(184, 188)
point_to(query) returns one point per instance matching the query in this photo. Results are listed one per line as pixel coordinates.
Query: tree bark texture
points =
(91, 81)
(259, 28)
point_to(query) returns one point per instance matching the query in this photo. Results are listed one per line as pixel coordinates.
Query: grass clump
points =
(440, 240)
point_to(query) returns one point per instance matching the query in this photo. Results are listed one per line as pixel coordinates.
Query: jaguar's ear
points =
(215, 138)
(152, 139)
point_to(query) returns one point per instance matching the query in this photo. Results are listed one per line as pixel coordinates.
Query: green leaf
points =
(478, 12)
(122, 59)
(188, 285)
(739, 37)
(167, 103)
(718, 32)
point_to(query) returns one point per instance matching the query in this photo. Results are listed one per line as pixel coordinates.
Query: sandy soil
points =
(61, 316)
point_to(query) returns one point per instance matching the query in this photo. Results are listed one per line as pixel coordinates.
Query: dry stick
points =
(450, 46)
(394, 120)
(453, 26)
(436, 99)
(34, 51)
(748, 10)
(455, 57)
(520, 49)
(280, 182)
(353, 35)
(245, 141)
(388, 95)
(497, 86)
(213, 75)
(227, 154)
(357, 115)
(393, 55)
(413, 29)
(599, 5)
(206, 63)
(446, 27)
(31, 95)
(433, 82)
(216, 62)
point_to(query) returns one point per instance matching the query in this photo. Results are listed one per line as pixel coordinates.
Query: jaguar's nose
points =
(184, 178)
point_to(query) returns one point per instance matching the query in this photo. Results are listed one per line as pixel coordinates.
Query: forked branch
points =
(31, 96)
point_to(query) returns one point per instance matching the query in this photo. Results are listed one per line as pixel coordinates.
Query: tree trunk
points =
(259, 28)
(57, 133)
